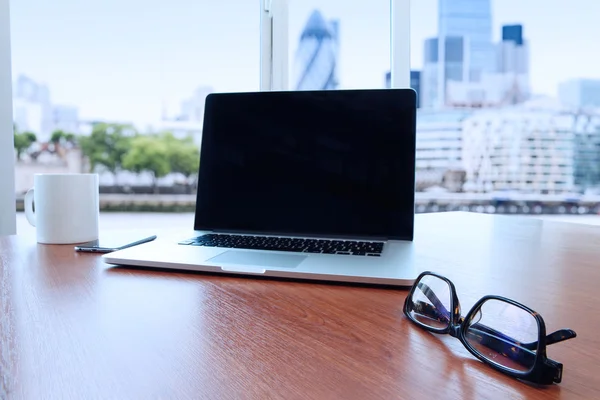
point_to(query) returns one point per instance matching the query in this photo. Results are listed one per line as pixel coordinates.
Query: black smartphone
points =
(112, 243)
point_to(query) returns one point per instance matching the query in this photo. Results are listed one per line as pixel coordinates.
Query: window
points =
(105, 72)
(493, 67)
(495, 99)
(123, 69)
(337, 44)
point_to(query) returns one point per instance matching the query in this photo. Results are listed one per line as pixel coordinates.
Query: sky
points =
(127, 60)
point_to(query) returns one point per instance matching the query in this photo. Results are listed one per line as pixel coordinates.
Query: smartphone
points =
(112, 243)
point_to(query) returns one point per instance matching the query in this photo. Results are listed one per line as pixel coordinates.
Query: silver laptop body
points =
(314, 185)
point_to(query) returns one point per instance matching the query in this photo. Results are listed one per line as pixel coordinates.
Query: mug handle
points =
(28, 205)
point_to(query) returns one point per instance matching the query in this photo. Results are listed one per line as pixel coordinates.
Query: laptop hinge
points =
(326, 237)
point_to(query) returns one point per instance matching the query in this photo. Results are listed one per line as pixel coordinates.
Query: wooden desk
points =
(73, 327)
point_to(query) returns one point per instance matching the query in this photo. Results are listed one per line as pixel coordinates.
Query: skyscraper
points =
(454, 57)
(513, 33)
(415, 83)
(513, 53)
(316, 63)
(472, 20)
(512, 61)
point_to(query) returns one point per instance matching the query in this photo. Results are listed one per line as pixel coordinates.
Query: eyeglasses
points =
(507, 335)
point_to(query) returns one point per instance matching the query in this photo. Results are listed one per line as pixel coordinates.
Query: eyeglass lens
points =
(504, 334)
(431, 302)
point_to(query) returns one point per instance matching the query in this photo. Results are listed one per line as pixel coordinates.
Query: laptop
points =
(316, 185)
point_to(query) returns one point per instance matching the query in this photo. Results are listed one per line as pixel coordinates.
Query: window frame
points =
(275, 45)
(7, 154)
(400, 43)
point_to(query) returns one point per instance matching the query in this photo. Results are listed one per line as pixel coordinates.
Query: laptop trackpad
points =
(261, 259)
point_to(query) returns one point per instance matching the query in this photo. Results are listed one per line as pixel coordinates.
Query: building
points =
(512, 60)
(580, 93)
(526, 148)
(513, 33)
(65, 118)
(587, 151)
(438, 147)
(512, 53)
(189, 122)
(32, 109)
(192, 109)
(471, 20)
(27, 89)
(415, 83)
(317, 57)
(29, 116)
(493, 90)
(507, 84)
(455, 68)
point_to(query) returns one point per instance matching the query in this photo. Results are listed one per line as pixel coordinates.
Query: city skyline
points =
(125, 70)
(464, 67)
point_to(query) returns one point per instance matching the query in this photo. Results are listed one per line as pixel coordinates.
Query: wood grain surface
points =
(73, 327)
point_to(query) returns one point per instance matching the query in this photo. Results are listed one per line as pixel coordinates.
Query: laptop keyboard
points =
(347, 247)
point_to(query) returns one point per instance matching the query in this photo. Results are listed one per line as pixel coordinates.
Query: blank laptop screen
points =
(326, 163)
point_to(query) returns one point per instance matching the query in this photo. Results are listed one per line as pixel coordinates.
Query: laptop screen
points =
(327, 163)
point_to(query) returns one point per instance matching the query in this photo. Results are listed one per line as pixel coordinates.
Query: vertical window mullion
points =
(7, 155)
(274, 45)
(280, 44)
(266, 47)
(400, 43)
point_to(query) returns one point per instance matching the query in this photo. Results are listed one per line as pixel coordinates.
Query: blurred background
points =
(509, 96)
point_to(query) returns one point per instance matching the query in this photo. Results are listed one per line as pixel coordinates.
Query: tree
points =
(61, 141)
(22, 141)
(57, 136)
(107, 145)
(184, 155)
(148, 154)
(70, 138)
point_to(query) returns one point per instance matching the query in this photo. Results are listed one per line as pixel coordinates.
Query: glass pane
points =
(113, 70)
(505, 125)
(338, 44)
(430, 303)
(504, 334)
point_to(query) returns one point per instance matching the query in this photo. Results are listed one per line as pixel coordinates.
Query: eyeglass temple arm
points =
(554, 337)
(522, 353)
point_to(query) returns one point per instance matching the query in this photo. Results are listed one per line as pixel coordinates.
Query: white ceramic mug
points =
(66, 208)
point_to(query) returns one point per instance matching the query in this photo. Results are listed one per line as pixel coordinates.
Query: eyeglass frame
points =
(544, 371)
